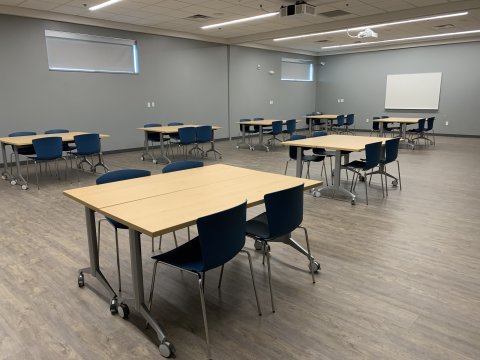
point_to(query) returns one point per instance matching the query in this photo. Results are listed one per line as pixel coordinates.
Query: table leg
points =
(299, 162)
(19, 179)
(146, 150)
(94, 268)
(138, 302)
(333, 190)
(162, 150)
(243, 142)
(5, 174)
(380, 129)
(403, 131)
(260, 139)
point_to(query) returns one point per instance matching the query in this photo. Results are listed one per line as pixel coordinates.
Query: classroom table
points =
(403, 126)
(21, 141)
(163, 203)
(329, 118)
(261, 124)
(169, 130)
(339, 143)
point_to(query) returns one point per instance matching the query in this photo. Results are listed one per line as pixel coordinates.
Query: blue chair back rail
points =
(350, 119)
(281, 222)
(373, 155)
(277, 127)
(181, 165)
(291, 126)
(340, 120)
(175, 124)
(187, 135)
(203, 133)
(391, 150)
(152, 136)
(87, 144)
(421, 125)
(430, 121)
(57, 131)
(48, 148)
(375, 125)
(292, 150)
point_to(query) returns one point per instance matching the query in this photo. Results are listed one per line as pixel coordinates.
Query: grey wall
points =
(186, 79)
(251, 90)
(360, 79)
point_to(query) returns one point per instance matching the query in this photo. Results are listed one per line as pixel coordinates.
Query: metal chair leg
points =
(366, 188)
(270, 279)
(152, 287)
(118, 263)
(310, 258)
(253, 280)
(221, 277)
(204, 313)
(153, 244)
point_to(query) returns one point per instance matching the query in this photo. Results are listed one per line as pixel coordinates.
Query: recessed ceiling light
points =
(252, 18)
(102, 5)
(429, 18)
(401, 39)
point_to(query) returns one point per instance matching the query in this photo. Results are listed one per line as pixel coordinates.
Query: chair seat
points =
(26, 151)
(258, 227)
(187, 256)
(313, 158)
(47, 158)
(356, 164)
(324, 152)
(116, 224)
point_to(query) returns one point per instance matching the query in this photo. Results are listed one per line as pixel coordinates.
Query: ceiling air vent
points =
(199, 17)
(443, 26)
(334, 13)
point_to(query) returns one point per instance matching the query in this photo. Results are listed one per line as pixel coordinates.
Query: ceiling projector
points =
(299, 8)
(367, 33)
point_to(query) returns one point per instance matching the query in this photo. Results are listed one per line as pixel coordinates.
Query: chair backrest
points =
(284, 210)
(57, 131)
(319, 133)
(48, 148)
(181, 165)
(222, 235)
(87, 144)
(350, 119)
(375, 125)
(203, 133)
(151, 136)
(175, 124)
(187, 135)
(340, 120)
(244, 126)
(372, 155)
(119, 175)
(391, 150)
(292, 150)
(22, 133)
(277, 127)
(258, 118)
(385, 117)
(291, 126)
(421, 125)
(430, 121)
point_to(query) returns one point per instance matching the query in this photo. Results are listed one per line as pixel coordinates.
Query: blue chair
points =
(291, 127)
(284, 214)
(67, 146)
(89, 145)
(429, 130)
(179, 166)
(174, 138)
(48, 149)
(391, 155)
(292, 153)
(315, 122)
(221, 236)
(114, 176)
(419, 132)
(389, 129)
(375, 126)
(276, 129)
(24, 151)
(187, 136)
(203, 135)
(338, 126)
(373, 154)
(349, 120)
(152, 138)
(265, 129)
(323, 152)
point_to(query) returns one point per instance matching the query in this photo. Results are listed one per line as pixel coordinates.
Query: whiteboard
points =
(413, 91)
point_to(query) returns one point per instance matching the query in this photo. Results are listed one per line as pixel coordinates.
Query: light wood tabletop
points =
(323, 116)
(261, 122)
(158, 204)
(336, 142)
(27, 140)
(398, 120)
(171, 129)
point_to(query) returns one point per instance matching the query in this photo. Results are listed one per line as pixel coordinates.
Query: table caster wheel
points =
(238, 147)
(113, 306)
(353, 202)
(316, 194)
(166, 349)
(316, 266)
(154, 161)
(142, 158)
(258, 245)
(123, 311)
(81, 280)
(13, 182)
(4, 177)
(395, 183)
(24, 187)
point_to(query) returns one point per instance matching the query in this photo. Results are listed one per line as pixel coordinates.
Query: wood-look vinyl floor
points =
(399, 279)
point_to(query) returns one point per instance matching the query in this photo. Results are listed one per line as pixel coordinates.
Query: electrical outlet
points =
(342, 100)
(153, 103)
(446, 123)
(271, 102)
(367, 120)
(338, 100)
(148, 104)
